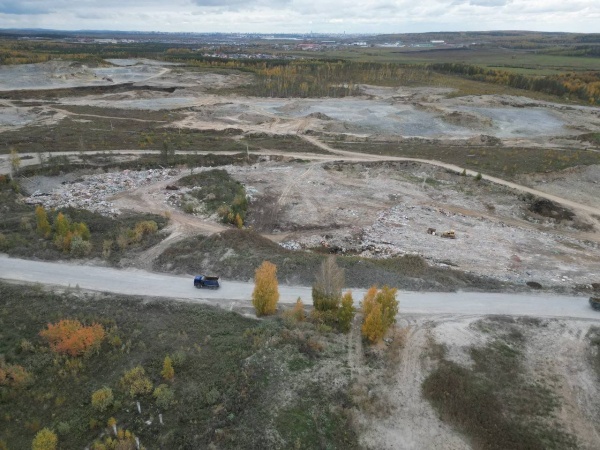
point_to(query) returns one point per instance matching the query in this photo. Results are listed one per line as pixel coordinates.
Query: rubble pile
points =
(93, 192)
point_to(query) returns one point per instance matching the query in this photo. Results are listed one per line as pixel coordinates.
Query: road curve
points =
(138, 282)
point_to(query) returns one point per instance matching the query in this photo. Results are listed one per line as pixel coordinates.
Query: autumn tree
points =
(329, 282)
(43, 226)
(72, 338)
(346, 312)
(14, 376)
(102, 398)
(266, 289)
(45, 439)
(168, 373)
(379, 309)
(298, 311)
(135, 382)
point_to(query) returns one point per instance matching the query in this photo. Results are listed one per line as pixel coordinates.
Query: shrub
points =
(80, 247)
(346, 313)
(14, 376)
(72, 338)
(238, 221)
(478, 177)
(329, 282)
(266, 289)
(298, 311)
(102, 398)
(135, 382)
(168, 373)
(164, 396)
(45, 439)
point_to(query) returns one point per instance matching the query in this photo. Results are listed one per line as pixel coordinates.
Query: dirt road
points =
(235, 293)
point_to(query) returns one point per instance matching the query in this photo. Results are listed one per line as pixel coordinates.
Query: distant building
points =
(438, 42)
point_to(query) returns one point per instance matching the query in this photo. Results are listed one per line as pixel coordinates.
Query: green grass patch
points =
(495, 403)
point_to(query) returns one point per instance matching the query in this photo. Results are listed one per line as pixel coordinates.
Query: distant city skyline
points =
(303, 16)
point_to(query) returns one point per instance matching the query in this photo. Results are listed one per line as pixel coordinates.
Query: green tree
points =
(45, 439)
(266, 289)
(346, 312)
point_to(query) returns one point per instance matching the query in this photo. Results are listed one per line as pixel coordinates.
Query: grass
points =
(230, 374)
(235, 254)
(494, 160)
(494, 403)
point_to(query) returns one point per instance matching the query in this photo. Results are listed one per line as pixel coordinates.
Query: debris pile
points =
(92, 192)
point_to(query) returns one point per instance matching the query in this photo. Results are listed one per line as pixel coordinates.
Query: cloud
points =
(23, 7)
(272, 16)
(489, 3)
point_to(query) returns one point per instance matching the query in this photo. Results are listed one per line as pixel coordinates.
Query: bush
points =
(164, 396)
(80, 247)
(14, 376)
(266, 289)
(45, 439)
(135, 382)
(72, 338)
(102, 399)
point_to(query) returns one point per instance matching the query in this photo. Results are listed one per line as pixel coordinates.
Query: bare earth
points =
(372, 206)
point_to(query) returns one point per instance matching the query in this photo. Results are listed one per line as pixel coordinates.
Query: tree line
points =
(583, 85)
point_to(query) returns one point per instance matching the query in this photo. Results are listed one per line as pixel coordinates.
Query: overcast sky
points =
(300, 16)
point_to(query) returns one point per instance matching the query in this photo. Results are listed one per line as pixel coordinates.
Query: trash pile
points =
(93, 191)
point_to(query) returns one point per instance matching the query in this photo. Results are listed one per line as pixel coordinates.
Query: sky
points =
(303, 16)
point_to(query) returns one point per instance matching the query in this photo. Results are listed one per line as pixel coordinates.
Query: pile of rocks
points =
(93, 191)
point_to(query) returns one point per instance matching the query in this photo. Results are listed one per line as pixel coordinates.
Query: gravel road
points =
(138, 282)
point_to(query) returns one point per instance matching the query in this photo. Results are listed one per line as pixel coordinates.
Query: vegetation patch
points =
(219, 192)
(493, 402)
(71, 233)
(505, 162)
(214, 377)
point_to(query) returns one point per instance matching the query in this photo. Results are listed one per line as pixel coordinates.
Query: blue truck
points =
(202, 281)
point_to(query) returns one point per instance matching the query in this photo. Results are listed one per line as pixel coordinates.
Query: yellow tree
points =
(45, 439)
(168, 373)
(43, 226)
(266, 289)
(373, 327)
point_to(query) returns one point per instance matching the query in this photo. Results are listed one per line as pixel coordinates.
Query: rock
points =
(534, 285)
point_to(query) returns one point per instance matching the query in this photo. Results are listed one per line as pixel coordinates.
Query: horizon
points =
(283, 16)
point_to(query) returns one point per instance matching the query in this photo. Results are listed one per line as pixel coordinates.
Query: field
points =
(431, 170)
